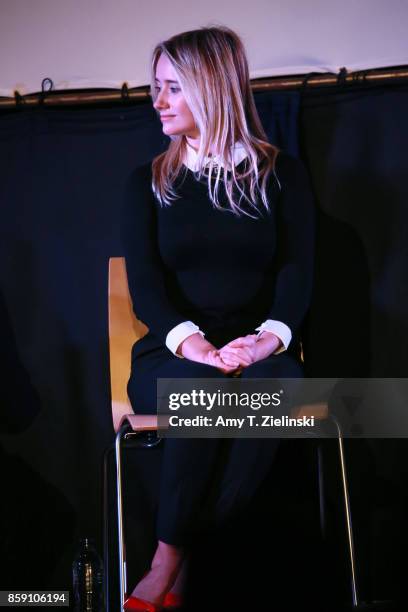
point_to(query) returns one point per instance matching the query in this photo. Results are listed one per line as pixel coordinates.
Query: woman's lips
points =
(165, 118)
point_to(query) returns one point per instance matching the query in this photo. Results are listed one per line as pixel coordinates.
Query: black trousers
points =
(204, 482)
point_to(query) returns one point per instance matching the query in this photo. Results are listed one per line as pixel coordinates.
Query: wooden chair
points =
(124, 330)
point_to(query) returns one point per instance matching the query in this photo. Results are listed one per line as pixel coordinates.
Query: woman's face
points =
(175, 115)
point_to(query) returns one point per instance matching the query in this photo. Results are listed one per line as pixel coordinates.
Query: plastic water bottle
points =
(87, 575)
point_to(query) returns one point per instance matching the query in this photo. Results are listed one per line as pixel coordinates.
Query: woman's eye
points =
(172, 89)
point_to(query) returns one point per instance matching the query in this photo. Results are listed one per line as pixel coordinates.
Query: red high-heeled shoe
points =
(172, 601)
(135, 603)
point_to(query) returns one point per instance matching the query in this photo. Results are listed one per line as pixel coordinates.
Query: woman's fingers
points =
(227, 361)
(240, 354)
(235, 355)
(242, 342)
(214, 359)
(230, 361)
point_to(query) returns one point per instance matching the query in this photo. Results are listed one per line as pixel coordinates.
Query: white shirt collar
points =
(190, 160)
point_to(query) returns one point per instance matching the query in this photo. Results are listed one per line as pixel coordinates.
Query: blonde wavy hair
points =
(212, 70)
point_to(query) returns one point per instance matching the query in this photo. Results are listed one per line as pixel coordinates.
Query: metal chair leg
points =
(121, 541)
(351, 549)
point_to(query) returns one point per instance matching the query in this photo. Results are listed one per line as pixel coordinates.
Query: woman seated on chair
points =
(218, 238)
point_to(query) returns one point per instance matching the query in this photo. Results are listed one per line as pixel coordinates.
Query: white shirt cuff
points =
(179, 333)
(281, 330)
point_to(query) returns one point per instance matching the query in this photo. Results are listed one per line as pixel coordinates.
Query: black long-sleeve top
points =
(225, 273)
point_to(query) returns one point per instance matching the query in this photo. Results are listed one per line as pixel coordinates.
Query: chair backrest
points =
(124, 330)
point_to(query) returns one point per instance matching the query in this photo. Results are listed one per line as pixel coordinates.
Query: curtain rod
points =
(48, 97)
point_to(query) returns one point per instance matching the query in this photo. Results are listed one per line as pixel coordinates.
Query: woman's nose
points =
(161, 101)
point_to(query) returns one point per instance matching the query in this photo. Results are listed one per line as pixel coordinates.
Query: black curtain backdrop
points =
(62, 172)
(354, 143)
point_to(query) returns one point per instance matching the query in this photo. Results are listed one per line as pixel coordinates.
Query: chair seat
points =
(140, 422)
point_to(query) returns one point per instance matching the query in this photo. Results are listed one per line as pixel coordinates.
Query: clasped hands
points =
(243, 351)
(235, 355)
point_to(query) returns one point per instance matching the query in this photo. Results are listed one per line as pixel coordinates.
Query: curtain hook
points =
(125, 92)
(306, 78)
(341, 77)
(19, 98)
(45, 90)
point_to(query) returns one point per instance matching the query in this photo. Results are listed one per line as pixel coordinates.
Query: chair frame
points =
(125, 432)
